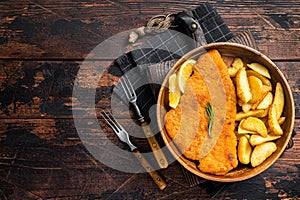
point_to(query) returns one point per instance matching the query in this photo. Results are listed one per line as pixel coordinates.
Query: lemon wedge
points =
(184, 73)
(174, 92)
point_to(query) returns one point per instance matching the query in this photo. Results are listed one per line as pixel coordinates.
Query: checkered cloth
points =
(213, 26)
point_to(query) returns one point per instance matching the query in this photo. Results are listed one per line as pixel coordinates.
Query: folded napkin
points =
(147, 65)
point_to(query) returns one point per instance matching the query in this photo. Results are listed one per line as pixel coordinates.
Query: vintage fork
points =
(118, 129)
(124, 137)
(132, 98)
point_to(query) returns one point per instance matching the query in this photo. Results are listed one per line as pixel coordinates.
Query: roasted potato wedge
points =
(258, 139)
(232, 72)
(244, 150)
(255, 125)
(246, 107)
(259, 123)
(254, 113)
(236, 65)
(260, 69)
(242, 86)
(273, 122)
(281, 120)
(256, 88)
(242, 135)
(264, 80)
(279, 99)
(262, 114)
(266, 90)
(241, 130)
(266, 102)
(261, 152)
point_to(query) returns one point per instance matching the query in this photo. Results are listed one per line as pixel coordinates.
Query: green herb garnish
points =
(210, 115)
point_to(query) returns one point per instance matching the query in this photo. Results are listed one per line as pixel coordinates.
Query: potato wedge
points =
(256, 88)
(247, 136)
(266, 102)
(257, 139)
(261, 152)
(273, 122)
(279, 99)
(254, 113)
(246, 107)
(266, 90)
(244, 150)
(262, 114)
(242, 135)
(281, 120)
(264, 80)
(256, 125)
(232, 72)
(259, 68)
(237, 63)
(242, 86)
(243, 131)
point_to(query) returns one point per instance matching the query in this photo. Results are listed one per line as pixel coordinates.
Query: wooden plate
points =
(249, 55)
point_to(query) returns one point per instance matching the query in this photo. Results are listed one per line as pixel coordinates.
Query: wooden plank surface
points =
(43, 89)
(71, 30)
(48, 160)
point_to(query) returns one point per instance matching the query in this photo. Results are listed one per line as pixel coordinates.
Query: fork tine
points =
(111, 122)
(131, 96)
(128, 88)
(124, 89)
(117, 124)
(118, 129)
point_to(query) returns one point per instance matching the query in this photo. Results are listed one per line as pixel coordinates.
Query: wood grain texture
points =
(71, 30)
(43, 89)
(48, 160)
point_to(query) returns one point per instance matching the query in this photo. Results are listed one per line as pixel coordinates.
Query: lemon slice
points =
(184, 73)
(174, 92)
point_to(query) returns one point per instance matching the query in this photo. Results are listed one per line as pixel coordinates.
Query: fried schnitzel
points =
(187, 124)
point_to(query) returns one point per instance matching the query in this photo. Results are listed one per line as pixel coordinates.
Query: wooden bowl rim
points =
(174, 152)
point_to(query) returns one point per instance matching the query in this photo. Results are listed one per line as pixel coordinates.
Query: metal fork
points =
(118, 129)
(124, 137)
(132, 98)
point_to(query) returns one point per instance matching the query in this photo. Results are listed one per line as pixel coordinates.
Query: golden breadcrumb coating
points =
(223, 156)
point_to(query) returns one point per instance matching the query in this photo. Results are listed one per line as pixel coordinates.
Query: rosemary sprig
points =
(210, 115)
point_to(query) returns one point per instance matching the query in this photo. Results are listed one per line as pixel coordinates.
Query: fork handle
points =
(154, 175)
(158, 153)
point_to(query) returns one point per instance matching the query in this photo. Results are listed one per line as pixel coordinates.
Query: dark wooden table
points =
(42, 45)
